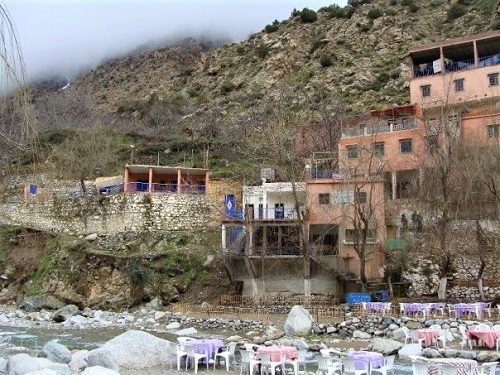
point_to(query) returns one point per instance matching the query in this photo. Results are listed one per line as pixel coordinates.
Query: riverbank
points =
(92, 329)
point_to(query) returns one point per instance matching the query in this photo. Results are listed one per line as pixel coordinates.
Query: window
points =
(431, 143)
(360, 197)
(405, 145)
(493, 79)
(493, 130)
(459, 84)
(324, 198)
(352, 151)
(378, 148)
(356, 236)
(426, 90)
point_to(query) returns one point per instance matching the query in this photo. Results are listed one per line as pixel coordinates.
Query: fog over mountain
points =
(62, 37)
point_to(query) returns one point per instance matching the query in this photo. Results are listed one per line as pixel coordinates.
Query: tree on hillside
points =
(87, 153)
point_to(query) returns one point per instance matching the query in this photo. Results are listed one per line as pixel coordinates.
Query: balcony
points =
(144, 187)
(261, 214)
(381, 127)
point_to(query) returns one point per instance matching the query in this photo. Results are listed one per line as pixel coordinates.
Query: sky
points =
(65, 36)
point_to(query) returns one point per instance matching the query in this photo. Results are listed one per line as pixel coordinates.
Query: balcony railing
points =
(455, 65)
(144, 187)
(280, 213)
(387, 126)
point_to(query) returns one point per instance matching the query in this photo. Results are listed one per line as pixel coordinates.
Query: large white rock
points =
(21, 364)
(98, 370)
(138, 349)
(299, 322)
(357, 334)
(78, 360)
(103, 358)
(191, 331)
(56, 352)
(42, 372)
(386, 346)
(408, 350)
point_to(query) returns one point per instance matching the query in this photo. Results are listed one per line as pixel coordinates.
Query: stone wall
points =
(113, 214)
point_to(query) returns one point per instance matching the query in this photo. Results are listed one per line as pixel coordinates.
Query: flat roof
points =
(140, 168)
(449, 42)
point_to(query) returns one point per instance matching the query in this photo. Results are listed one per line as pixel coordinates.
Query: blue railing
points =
(165, 188)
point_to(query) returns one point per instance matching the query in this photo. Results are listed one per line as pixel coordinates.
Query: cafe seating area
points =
(451, 366)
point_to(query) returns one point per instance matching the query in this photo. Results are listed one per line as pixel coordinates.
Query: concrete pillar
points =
(394, 184)
(126, 179)
(476, 54)
(251, 239)
(224, 244)
(307, 287)
(179, 181)
(150, 180)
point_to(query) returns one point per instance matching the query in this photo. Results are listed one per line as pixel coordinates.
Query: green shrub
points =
(240, 50)
(390, 12)
(325, 60)
(262, 50)
(364, 27)
(308, 16)
(393, 2)
(317, 42)
(456, 11)
(272, 27)
(436, 3)
(227, 86)
(413, 7)
(495, 25)
(374, 13)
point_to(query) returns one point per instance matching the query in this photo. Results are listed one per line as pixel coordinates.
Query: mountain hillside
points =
(358, 60)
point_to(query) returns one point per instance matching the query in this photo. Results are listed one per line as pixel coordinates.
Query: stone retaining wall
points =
(106, 215)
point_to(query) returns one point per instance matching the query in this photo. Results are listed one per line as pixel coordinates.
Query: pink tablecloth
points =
(291, 352)
(489, 336)
(210, 345)
(428, 335)
(375, 359)
(467, 366)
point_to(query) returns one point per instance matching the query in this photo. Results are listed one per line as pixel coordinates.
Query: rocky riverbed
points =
(141, 341)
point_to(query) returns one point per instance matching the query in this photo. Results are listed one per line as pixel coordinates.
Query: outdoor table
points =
(375, 359)
(375, 306)
(488, 336)
(428, 335)
(412, 308)
(209, 345)
(277, 352)
(467, 366)
(462, 308)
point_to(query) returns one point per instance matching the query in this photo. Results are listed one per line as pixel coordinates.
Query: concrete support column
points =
(150, 180)
(224, 244)
(179, 180)
(126, 179)
(250, 243)
(394, 184)
(476, 54)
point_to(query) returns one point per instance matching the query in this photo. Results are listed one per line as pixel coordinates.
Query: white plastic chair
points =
(248, 361)
(406, 331)
(415, 339)
(496, 327)
(420, 367)
(387, 367)
(194, 357)
(450, 370)
(328, 366)
(350, 368)
(269, 366)
(300, 361)
(488, 368)
(181, 354)
(226, 355)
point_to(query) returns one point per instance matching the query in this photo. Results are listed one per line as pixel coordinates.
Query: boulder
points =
(191, 331)
(56, 352)
(42, 372)
(103, 358)
(138, 349)
(399, 334)
(21, 364)
(298, 322)
(78, 361)
(386, 346)
(467, 354)
(65, 313)
(408, 350)
(357, 334)
(413, 324)
(38, 302)
(431, 353)
(173, 325)
(488, 356)
(98, 370)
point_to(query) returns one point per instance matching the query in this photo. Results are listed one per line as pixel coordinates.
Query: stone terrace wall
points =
(113, 214)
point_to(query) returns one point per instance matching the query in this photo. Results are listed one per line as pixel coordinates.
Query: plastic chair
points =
(420, 368)
(350, 368)
(387, 367)
(328, 366)
(269, 365)
(194, 357)
(248, 361)
(415, 339)
(226, 355)
(300, 361)
(465, 339)
(488, 368)
(181, 354)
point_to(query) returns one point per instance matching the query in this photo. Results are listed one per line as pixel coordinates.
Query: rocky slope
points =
(358, 60)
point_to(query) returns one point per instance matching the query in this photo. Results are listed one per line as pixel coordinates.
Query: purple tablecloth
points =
(375, 306)
(462, 308)
(375, 359)
(210, 345)
(411, 308)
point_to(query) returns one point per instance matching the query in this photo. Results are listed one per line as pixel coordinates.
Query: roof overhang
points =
(158, 169)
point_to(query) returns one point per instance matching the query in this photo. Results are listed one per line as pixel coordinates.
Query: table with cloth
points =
(211, 346)
(375, 359)
(428, 335)
(276, 352)
(376, 306)
(466, 308)
(488, 336)
(467, 366)
(413, 308)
